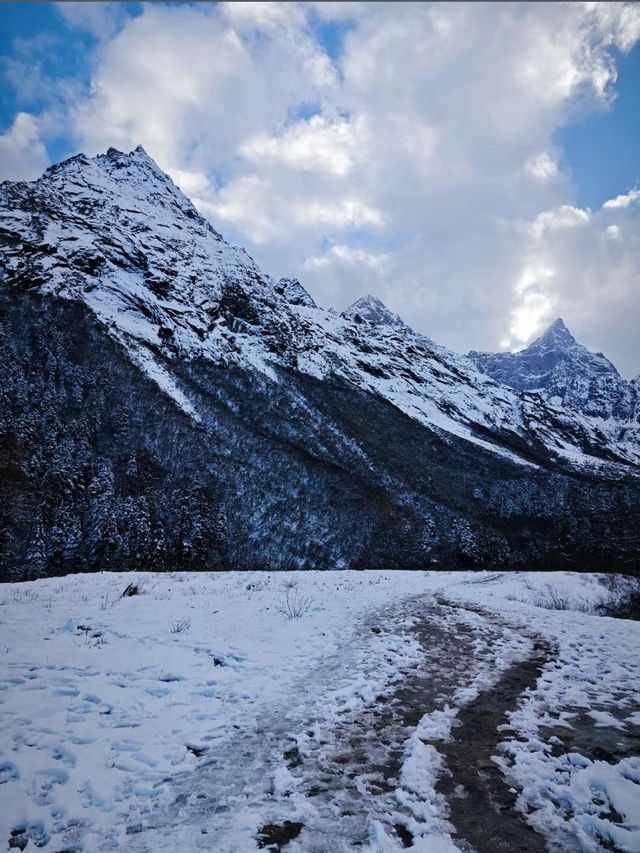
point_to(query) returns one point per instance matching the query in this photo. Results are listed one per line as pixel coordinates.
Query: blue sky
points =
(603, 148)
(62, 51)
(473, 166)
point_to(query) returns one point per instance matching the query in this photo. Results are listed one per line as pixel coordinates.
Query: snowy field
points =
(209, 706)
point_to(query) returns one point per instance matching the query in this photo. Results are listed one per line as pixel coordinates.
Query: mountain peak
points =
(557, 334)
(294, 292)
(138, 159)
(563, 370)
(115, 153)
(374, 310)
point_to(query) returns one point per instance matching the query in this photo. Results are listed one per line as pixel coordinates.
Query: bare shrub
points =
(613, 582)
(109, 598)
(294, 605)
(180, 625)
(624, 599)
(24, 596)
(91, 637)
(552, 599)
(258, 582)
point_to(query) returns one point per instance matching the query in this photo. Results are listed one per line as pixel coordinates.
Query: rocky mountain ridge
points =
(113, 238)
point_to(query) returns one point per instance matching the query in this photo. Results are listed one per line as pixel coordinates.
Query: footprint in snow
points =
(65, 756)
(8, 772)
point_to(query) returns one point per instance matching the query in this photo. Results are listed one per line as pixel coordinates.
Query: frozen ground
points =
(318, 711)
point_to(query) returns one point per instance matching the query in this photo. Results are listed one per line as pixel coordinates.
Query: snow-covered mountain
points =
(249, 359)
(117, 234)
(564, 371)
(567, 374)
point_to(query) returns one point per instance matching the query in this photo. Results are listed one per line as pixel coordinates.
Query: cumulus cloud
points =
(23, 155)
(623, 200)
(583, 265)
(562, 217)
(193, 83)
(415, 160)
(327, 146)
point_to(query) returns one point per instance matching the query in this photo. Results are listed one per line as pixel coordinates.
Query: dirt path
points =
(304, 778)
(481, 804)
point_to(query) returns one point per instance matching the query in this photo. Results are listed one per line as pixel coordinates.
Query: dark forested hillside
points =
(100, 471)
(91, 474)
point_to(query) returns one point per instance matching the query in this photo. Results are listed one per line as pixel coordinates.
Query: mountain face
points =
(293, 292)
(567, 374)
(165, 403)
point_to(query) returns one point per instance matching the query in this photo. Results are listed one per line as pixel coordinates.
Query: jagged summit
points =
(132, 181)
(564, 371)
(374, 310)
(138, 157)
(557, 334)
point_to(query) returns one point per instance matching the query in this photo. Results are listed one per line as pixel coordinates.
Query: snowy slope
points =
(117, 234)
(190, 715)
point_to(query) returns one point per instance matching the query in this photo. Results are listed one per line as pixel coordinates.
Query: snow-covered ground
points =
(195, 713)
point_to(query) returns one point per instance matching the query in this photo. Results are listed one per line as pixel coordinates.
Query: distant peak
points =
(370, 299)
(559, 325)
(374, 310)
(557, 333)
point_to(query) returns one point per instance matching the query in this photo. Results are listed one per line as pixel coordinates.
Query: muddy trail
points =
(363, 768)
(481, 804)
(308, 778)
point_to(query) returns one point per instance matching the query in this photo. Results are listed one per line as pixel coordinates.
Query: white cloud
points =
(542, 167)
(564, 216)
(585, 267)
(535, 308)
(328, 146)
(192, 88)
(344, 213)
(347, 256)
(100, 19)
(622, 200)
(245, 204)
(23, 156)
